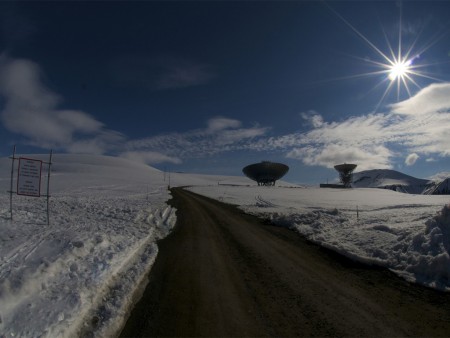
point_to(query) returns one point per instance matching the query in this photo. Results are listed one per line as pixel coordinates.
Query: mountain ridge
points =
(400, 182)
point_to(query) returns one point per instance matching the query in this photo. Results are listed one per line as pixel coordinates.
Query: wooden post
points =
(48, 186)
(13, 158)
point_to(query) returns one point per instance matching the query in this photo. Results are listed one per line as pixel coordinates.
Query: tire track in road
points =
(224, 273)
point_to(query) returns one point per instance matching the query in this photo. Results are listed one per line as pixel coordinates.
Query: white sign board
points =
(29, 177)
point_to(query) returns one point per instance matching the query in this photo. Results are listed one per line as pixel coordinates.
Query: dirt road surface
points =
(224, 273)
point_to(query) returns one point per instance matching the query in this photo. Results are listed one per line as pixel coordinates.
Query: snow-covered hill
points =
(397, 181)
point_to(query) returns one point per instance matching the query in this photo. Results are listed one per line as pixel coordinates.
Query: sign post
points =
(29, 179)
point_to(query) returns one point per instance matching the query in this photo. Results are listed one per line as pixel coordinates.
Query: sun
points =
(398, 66)
(399, 70)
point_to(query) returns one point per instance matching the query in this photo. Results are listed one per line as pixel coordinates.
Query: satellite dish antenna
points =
(266, 172)
(346, 173)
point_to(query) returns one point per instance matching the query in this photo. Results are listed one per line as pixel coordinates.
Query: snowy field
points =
(79, 275)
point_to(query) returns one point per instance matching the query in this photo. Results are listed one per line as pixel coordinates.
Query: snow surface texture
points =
(409, 234)
(80, 275)
(77, 275)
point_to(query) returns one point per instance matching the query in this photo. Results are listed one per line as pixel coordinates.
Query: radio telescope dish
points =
(265, 173)
(346, 173)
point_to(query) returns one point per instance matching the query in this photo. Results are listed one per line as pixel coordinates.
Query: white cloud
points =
(411, 159)
(361, 140)
(331, 154)
(105, 142)
(221, 123)
(149, 157)
(237, 135)
(432, 99)
(313, 118)
(220, 135)
(369, 140)
(31, 110)
(418, 126)
(439, 177)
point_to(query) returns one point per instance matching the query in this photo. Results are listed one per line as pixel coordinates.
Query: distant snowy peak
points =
(397, 181)
(379, 178)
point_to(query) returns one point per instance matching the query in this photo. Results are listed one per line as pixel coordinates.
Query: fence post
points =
(48, 186)
(13, 158)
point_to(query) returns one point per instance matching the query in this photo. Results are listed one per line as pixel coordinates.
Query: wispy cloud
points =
(331, 154)
(31, 110)
(417, 126)
(107, 141)
(313, 118)
(409, 130)
(362, 140)
(220, 135)
(221, 123)
(432, 99)
(149, 157)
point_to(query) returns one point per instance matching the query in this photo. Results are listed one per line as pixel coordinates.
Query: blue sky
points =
(210, 87)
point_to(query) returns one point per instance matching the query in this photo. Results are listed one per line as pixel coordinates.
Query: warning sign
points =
(29, 177)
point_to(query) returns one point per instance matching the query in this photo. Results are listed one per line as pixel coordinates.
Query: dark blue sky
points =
(213, 86)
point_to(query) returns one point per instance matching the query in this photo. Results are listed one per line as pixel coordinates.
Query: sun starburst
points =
(399, 70)
(398, 67)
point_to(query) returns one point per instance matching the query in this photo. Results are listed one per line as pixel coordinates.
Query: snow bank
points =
(428, 259)
(79, 275)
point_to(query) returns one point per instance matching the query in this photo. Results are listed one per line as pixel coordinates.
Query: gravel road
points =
(224, 273)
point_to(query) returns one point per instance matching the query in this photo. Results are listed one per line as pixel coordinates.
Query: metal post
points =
(12, 177)
(48, 186)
